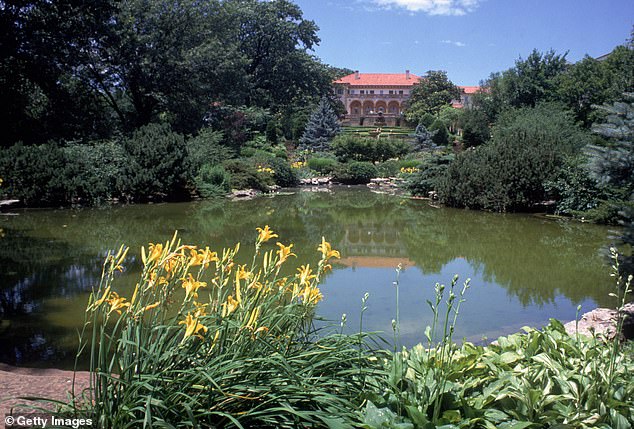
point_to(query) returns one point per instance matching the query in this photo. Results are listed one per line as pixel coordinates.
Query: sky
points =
(469, 39)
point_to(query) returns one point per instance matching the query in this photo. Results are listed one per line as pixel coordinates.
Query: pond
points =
(524, 269)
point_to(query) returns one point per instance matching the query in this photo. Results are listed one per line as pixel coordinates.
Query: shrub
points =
(389, 168)
(206, 148)
(527, 149)
(322, 165)
(355, 173)
(94, 172)
(212, 180)
(352, 148)
(34, 174)
(246, 176)
(430, 170)
(157, 166)
(284, 175)
(475, 127)
(441, 135)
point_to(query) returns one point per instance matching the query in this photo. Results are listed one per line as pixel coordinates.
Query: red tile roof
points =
(379, 79)
(469, 89)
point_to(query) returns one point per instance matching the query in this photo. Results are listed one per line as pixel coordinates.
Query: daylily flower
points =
(116, 302)
(326, 250)
(283, 253)
(192, 326)
(191, 286)
(265, 234)
(305, 274)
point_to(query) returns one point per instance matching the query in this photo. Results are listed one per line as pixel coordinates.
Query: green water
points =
(523, 269)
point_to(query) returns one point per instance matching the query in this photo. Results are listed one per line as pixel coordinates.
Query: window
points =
(400, 93)
(340, 91)
(381, 92)
(391, 92)
(371, 91)
(362, 92)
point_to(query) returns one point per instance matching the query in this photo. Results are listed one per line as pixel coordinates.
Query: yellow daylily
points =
(104, 297)
(311, 295)
(326, 250)
(284, 253)
(305, 274)
(116, 302)
(230, 306)
(155, 252)
(191, 286)
(192, 326)
(265, 234)
(151, 306)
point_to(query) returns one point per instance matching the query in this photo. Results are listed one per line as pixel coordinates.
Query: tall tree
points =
(433, 92)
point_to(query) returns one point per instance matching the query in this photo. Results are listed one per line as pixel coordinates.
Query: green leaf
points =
(515, 425)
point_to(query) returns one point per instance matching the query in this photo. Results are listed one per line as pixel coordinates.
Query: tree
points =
(475, 127)
(321, 128)
(531, 81)
(423, 138)
(441, 135)
(613, 165)
(433, 92)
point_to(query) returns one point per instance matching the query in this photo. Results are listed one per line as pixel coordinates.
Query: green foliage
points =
(527, 149)
(475, 128)
(423, 138)
(389, 168)
(349, 147)
(431, 169)
(441, 135)
(246, 357)
(613, 165)
(212, 180)
(322, 165)
(34, 174)
(53, 175)
(542, 378)
(572, 188)
(245, 176)
(433, 92)
(529, 82)
(284, 175)
(355, 173)
(321, 128)
(94, 172)
(206, 148)
(157, 167)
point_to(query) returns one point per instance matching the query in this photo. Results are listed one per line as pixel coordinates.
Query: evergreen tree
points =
(423, 138)
(441, 135)
(321, 128)
(613, 165)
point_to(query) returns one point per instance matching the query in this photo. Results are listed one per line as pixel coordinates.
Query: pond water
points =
(523, 269)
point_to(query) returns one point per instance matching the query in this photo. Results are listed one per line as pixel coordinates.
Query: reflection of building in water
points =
(373, 245)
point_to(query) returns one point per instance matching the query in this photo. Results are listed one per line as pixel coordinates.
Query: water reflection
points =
(524, 269)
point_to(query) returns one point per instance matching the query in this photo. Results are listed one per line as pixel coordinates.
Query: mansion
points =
(377, 98)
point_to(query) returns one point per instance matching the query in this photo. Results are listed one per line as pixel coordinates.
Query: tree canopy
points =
(434, 91)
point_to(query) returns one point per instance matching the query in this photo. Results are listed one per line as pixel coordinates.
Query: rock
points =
(315, 181)
(602, 321)
(241, 194)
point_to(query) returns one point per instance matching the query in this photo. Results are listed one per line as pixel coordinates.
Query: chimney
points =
(356, 74)
(406, 74)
